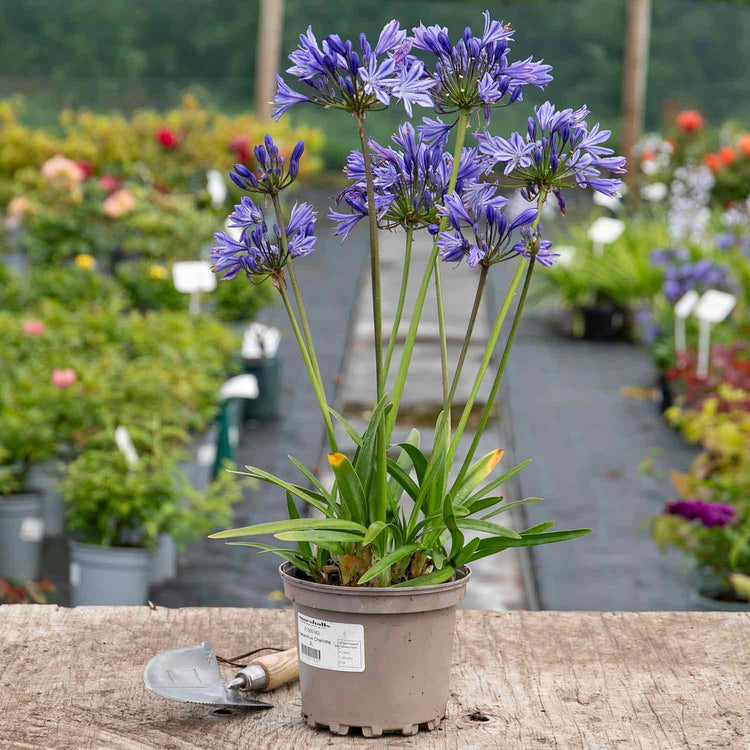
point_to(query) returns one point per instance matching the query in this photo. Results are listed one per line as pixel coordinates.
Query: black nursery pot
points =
(666, 392)
(603, 321)
(268, 373)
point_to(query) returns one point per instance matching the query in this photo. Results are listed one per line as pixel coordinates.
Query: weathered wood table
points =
(72, 678)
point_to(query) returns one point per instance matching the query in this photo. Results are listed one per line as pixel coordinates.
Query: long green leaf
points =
(385, 562)
(476, 475)
(293, 524)
(311, 478)
(364, 463)
(287, 554)
(395, 490)
(437, 576)
(418, 459)
(373, 531)
(301, 492)
(457, 538)
(353, 434)
(304, 547)
(538, 529)
(498, 481)
(318, 537)
(477, 524)
(510, 506)
(493, 545)
(350, 488)
(482, 504)
(465, 554)
(402, 478)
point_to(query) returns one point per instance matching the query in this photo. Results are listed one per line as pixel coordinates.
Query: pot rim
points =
(286, 568)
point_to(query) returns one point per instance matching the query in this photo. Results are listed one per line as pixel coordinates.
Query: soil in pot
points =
(377, 659)
(21, 534)
(109, 575)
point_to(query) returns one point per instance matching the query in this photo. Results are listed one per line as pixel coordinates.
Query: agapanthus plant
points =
(365, 535)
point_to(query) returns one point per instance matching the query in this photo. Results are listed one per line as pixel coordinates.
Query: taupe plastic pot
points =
(21, 534)
(108, 575)
(378, 659)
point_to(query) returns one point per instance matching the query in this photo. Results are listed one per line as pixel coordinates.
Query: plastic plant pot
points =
(21, 534)
(374, 658)
(109, 575)
(268, 373)
(45, 476)
(229, 421)
(164, 560)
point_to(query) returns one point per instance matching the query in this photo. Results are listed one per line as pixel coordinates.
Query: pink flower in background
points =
(166, 137)
(58, 169)
(118, 204)
(109, 183)
(63, 378)
(33, 327)
(86, 168)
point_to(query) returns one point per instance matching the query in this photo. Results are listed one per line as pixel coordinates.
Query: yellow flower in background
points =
(86, 261)
(158, 272)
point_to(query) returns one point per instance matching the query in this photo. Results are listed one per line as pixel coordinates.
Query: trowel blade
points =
(192, 675)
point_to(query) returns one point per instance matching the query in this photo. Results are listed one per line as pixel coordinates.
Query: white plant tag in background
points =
(125, 445)
(216, 187)
(339, 646)
(260, 341)
(75, 574)
(605, 230)
(193, 276)
(686, 304)
(240, 386)
(32, 529)
(714, 306)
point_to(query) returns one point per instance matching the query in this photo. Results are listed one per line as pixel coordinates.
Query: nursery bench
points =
(72, 678)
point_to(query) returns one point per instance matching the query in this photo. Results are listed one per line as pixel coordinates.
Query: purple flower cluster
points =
(480, 232)
(271, 177)
(409, 181)
(340, 77)
(681, 274)
(711, 515)
(558, 151)
(475, 72)
(254, 251)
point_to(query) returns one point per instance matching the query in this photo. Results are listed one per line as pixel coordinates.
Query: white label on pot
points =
(75, 574)
(32, 530)
(331, 645)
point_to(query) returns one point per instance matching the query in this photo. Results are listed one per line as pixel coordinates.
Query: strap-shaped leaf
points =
(402, 478)
(498, 481)
(311, 477)
(538, 529)
(318, 537)
(364, 462)
(465, 554)
(498, 544)
(477, 524)
(510, 506)
(457, 538)
(437, 576)
(476, 475)
(438, 558)
(353, 434)
(385, 562)
(306, 495)
(373, 531)
(292, 524)
(395, 490)
(418, 459)
(350, 488)
(304, 547)
(287, 554)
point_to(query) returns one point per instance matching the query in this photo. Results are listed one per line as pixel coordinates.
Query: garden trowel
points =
(192, 675)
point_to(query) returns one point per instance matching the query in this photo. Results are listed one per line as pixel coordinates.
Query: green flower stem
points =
(443, 341)
(403, 368)
(498, 376)
(378, 508)
(491, 343)
(401, 300)
(313, 375)
(297, 292)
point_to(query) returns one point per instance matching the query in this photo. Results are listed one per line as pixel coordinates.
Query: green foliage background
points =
(129, 53)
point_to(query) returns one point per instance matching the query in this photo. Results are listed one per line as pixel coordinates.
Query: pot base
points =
(343, 729)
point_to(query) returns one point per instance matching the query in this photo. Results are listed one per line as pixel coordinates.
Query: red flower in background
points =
(86, 168)
(713, 162)
(727, 155)
(166, 137)
(689, 121)
(241, 147)
(744, 145)
(109, 183)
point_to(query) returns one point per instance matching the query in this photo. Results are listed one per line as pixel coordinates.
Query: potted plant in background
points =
(120, 500)
(260, 357)
(375, 578)
(26, 439)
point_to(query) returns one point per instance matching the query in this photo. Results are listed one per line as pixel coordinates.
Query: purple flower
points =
(475, 73)
(434, 130)
(557, 151)
(285, 98)
(270, 177)
(412, 87)
(711, 515)
(379, 80)
(531, 245)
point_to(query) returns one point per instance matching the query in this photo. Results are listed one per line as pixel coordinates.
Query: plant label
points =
(32, 529)
(686, 304)
(260, 342)
(125, 445)
(339, 646)
(75, 574)
(605, 230)
(216, 187)
(240, 386)
(193, 277)
(714, 306)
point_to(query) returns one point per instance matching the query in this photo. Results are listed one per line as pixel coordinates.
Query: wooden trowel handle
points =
(280, 668)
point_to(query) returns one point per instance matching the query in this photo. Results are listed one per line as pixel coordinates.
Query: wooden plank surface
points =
(72, 678)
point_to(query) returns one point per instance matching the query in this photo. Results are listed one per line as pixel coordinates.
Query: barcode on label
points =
(313, 653)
